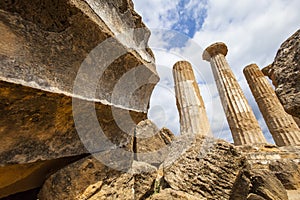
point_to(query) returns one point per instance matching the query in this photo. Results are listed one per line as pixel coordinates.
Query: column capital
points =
(213, 50)
(185, 69)
(182, 65)
(253, 66)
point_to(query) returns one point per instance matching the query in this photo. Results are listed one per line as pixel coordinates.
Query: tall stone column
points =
(193, 118)
(282, 126)
(242, 122)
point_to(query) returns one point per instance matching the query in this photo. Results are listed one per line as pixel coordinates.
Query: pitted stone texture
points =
(48, 40)
(42, 46)
(193, 117)
(151, 144)
(282, 126)
(258, 184)
(281, 162)
(38, 126)
(174, 195)
(23, 177)
(268, 71)
(208, 172)
(285, 73)
(242, 122)
(297, 120)
(288, 172)
(88, 179)
(255, 197)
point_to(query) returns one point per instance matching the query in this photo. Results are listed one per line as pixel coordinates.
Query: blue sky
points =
(252, 29)
(189, 22)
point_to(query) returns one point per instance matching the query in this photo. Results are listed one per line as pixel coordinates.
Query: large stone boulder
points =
(285, 74)
(152, 144)
(90, 179)
(128, 178)
(272, 171)
(174, 195)
(206, 169)
(195, 168)
(69, 70)
(81, 48)
(214, 169)
(258, 184)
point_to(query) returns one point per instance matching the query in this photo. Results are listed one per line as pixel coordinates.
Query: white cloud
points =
(166, 58)
(253, 32)
(252, 29)
(157, 13)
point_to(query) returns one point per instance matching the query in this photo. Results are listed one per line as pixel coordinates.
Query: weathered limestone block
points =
(285, 74)
(223, 171)
(297, 120)
(193, 118)
(151, 144)
(46, 49)
(218, 171)
(38, 126)
(89, 179)
(288, 172)
(46, 43)
(204, 171)
(282, 162)
(254, 197)
(22, 177)
(282, 126)
(242, 122)
(256, 184)
(174, 195)
(266, 185)
(35, 125)
(293, 194)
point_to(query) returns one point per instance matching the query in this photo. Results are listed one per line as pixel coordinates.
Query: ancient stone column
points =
(242, 122)
(282, 126)
(193, 118)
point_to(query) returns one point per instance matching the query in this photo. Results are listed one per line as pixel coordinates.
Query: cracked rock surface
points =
(285, 74)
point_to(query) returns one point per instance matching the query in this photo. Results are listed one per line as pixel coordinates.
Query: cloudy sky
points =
(252, 29)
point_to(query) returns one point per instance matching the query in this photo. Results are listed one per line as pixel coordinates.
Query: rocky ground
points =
(203, 169)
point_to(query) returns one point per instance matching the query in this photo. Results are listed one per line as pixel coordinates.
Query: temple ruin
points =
(242, 122)
(193, 118)
(282, 126)
(43, 44)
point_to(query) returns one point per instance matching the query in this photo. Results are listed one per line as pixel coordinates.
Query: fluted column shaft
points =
(193, 118)
(282, 126)
(242, 122)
